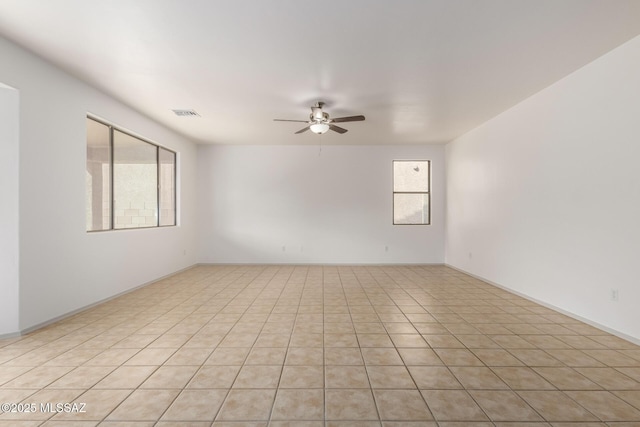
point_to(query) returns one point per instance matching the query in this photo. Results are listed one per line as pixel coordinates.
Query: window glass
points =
(135, 182)
(98, 177)
(167, 161)
(411, 176)
(411, 208)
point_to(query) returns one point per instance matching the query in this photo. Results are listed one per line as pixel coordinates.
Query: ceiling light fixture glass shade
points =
(319, 128)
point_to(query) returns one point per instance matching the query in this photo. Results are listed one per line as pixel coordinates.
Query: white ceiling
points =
(421, 71)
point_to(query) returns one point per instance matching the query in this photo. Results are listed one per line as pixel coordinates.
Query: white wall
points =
(63, 268)
(332, 206)
(9, 217)
(545, 198)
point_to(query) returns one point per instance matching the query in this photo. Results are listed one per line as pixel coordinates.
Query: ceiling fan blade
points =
(303, 130)
(348, 119)
(337, 129)
(285, 120)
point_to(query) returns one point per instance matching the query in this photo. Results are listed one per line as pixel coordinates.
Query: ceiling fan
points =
(319, 121)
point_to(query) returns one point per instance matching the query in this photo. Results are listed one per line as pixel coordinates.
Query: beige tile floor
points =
(320, 346)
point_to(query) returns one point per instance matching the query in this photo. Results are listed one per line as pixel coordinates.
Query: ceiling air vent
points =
(186, 113)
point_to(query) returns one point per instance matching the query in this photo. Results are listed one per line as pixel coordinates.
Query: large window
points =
(130, 183)
(411, 192)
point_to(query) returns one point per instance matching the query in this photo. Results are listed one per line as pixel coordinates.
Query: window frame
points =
(112, 220)
(394, 192)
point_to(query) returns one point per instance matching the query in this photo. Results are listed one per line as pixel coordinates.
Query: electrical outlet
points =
(613, 295)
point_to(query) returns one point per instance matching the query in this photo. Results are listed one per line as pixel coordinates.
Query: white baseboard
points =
(590, 322)
(86, 307)
(319, 264)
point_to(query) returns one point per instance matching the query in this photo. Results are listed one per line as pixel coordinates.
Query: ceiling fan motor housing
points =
(318, 116)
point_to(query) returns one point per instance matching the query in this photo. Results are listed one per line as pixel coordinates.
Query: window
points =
(130, 183)
(167, 193)
(98, 176)
(411, 192)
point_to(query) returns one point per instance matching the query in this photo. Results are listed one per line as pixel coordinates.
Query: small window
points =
(130, 182)
(411, 192)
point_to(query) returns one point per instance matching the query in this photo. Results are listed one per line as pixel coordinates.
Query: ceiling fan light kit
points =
(319, 128)
(319, 121)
